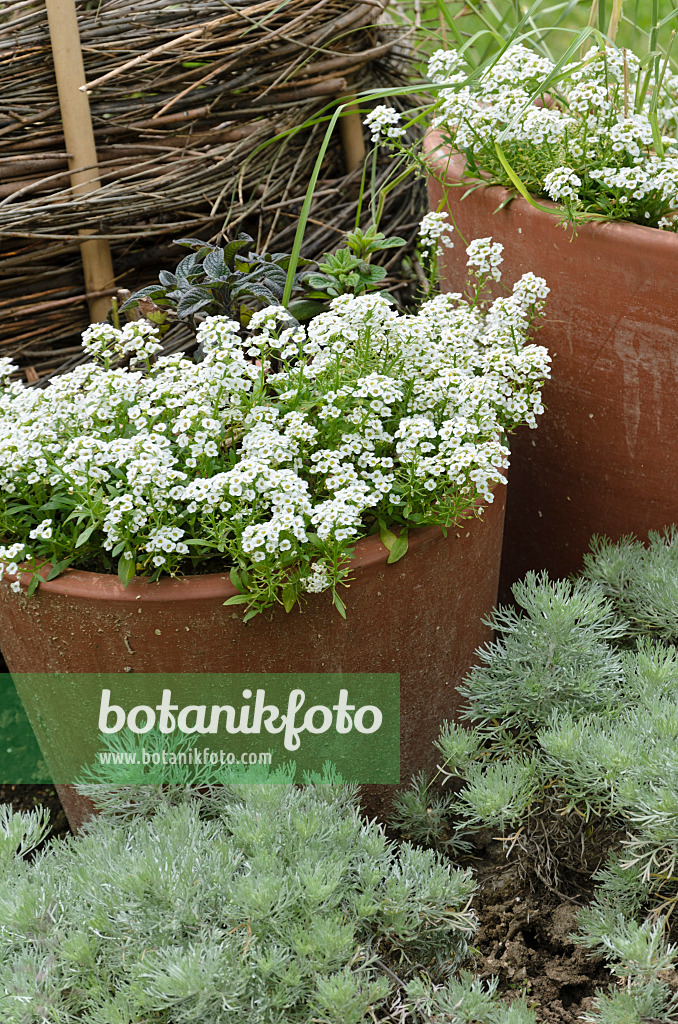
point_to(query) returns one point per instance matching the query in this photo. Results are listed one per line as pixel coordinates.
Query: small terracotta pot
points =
(420, 617)
(602, 459)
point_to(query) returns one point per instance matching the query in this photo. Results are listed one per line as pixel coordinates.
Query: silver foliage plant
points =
(257, 903)
(570, 752)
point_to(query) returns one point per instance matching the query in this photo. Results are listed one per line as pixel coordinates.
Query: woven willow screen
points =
(183, 96)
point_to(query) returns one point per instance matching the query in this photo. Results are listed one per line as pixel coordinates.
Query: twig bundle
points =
(183, 96)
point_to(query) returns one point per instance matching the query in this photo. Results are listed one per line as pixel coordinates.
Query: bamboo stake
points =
(352, 138)
(79, 138)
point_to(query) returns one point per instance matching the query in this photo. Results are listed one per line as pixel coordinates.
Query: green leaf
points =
(58, 568)
(186, 266)
(234, 247)
(399, 548)
(214, 263)
(656, 133)
(76, 514)
(392, 242)
(261, 291)
(188, 305)
(126, 568)
(235, 579)
(151, 291)
(33, 585)
(238, 599)
(15, 510)
(306, 208)
(388, 539)
(304, 309)
(341, 261)
(47, 507)
(339, 604)
(85, 535)
(192, 243)
(289, 598)
(319, 281)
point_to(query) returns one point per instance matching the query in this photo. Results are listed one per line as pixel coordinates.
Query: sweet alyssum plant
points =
(275, 452)
(598, 135)
(262, 903)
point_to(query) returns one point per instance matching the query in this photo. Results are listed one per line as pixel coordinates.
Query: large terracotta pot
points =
(419, 617)
(603, 458)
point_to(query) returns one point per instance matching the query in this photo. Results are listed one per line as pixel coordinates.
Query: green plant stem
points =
(308, 200)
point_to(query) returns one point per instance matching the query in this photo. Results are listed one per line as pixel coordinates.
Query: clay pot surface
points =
(602, 459)
(419, 617)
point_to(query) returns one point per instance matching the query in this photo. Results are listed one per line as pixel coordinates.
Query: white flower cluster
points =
(318, 580)
(138, 339)
(580, 141)
(435, 231)
(384, 123)
(485, 257)
(276, 451)
(562, 183)
(10, 556)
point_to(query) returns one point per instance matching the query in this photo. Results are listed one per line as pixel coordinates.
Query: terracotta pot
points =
(420, 617)
(602, 458)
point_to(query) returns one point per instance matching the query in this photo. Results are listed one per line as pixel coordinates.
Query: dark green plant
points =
(229, 280)
(234, 281)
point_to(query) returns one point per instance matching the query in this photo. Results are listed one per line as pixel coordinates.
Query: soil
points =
(523, 940)
(26, 798)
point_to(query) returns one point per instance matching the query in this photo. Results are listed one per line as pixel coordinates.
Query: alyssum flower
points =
(596, 137)
(273, 454)
(579, 142)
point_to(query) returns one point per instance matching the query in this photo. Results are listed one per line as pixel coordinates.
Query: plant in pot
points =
(288, 470)
(572, 163)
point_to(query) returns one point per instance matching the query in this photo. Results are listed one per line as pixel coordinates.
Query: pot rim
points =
(99, 586)
(441, 156)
